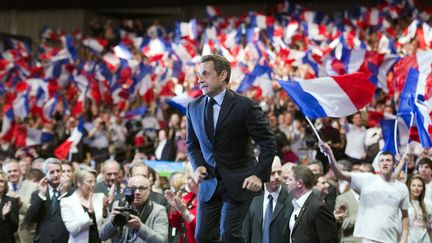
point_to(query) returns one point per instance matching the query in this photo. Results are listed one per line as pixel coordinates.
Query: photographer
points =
(145, 221)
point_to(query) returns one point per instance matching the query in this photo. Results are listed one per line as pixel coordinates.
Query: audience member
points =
(310, 220)
(379, 195)
(44, 207)
(419, 211)
(183, 210)
(84, 212)
(268, 215)
(150, 225)
(26, 229)
(9, 212)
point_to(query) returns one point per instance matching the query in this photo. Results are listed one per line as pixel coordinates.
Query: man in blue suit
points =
(221, 125)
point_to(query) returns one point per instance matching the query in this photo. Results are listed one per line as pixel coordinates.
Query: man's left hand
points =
(134, 222)
(252, 183)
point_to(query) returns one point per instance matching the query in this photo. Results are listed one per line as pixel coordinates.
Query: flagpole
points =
(395, 135)
(313, 128)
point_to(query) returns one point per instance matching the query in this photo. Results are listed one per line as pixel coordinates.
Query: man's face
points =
(140, 171)
(13, 172)
(386, 164)
(25, 166)
(275, 177)
(425, 172)
(111, 173)
(291, 182)
(141, 189)
(210, 82)
(315, 168)
(54, 174)
(322, 185)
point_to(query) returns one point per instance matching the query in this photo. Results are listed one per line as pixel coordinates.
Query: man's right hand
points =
(201, 173)
(43, 186)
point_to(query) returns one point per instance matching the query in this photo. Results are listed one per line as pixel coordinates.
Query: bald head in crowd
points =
(111, 171)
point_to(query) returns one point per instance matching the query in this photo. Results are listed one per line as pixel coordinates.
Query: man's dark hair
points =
(387, 153)
(153, 173)
(426, 161)
(303, 173)
(220, 64)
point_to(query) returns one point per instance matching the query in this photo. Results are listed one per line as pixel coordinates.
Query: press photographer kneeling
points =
(126, 220)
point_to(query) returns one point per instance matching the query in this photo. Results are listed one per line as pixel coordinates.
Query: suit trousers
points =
(220, 219)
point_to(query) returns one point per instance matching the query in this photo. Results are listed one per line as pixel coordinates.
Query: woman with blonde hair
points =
(84, 212)
(9, 212)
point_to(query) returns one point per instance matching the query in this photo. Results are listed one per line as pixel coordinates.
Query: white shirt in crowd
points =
(355, 146)
(378, 216)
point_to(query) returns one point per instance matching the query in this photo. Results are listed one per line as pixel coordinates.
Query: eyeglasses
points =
(140, 189)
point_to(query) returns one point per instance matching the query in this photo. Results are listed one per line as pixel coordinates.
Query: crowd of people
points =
(117, 86)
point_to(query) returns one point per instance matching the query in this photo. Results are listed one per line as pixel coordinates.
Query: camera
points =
(123, 217)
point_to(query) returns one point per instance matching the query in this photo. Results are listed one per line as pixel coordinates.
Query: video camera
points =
(123, 217)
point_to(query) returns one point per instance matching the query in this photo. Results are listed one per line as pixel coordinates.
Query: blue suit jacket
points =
(230, 151)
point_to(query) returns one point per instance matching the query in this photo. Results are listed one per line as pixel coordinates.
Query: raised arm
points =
(343, 175)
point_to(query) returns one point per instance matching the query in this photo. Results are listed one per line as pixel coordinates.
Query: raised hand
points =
(6, 209)
(43, 186)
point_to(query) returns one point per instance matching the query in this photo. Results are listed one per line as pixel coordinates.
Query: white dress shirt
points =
(298, 205)
(275, 196)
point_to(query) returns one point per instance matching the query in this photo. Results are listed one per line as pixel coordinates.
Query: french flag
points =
(95, 44)
(69, 146)
(181, 101)
(415, 109)
(421, 61)
(122, 51)
(7, 125)
(36, 137)
(135, 112)
(334, 96)
(212, 11)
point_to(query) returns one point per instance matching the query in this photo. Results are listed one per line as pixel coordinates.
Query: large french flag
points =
(62, 151)
(334, 96)
(415, 109)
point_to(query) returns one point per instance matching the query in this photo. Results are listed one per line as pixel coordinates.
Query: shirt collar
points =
(219, 97)
(274, 194)
(301, 200)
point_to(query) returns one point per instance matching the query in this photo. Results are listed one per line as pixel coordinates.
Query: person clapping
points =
(83, 212)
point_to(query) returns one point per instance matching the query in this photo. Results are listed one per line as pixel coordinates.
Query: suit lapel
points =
(226, 107)
(280, 203)
(260, 210)
(302, 211)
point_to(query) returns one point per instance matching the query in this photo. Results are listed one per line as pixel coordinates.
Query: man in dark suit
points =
(45, 204)
(220, 126)
(311, 220)
(256, 226)
(110, 171)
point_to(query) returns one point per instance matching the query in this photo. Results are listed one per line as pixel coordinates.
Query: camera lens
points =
(121, 219)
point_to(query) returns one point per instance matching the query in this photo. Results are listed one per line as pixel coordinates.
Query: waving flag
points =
(7, 125)
(181, 101)
(334, 96)
(212, 11)
(415, 109)
(69, 145)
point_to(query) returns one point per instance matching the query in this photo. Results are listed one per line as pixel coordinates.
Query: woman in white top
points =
(84, 212)
(419, 212)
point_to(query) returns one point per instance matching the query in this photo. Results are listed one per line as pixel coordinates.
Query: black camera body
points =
(123, 217)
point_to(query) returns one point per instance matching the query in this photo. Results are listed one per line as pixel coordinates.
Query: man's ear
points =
(223, 75)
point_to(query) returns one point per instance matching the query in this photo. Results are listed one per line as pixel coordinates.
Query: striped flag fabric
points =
(334, 96)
